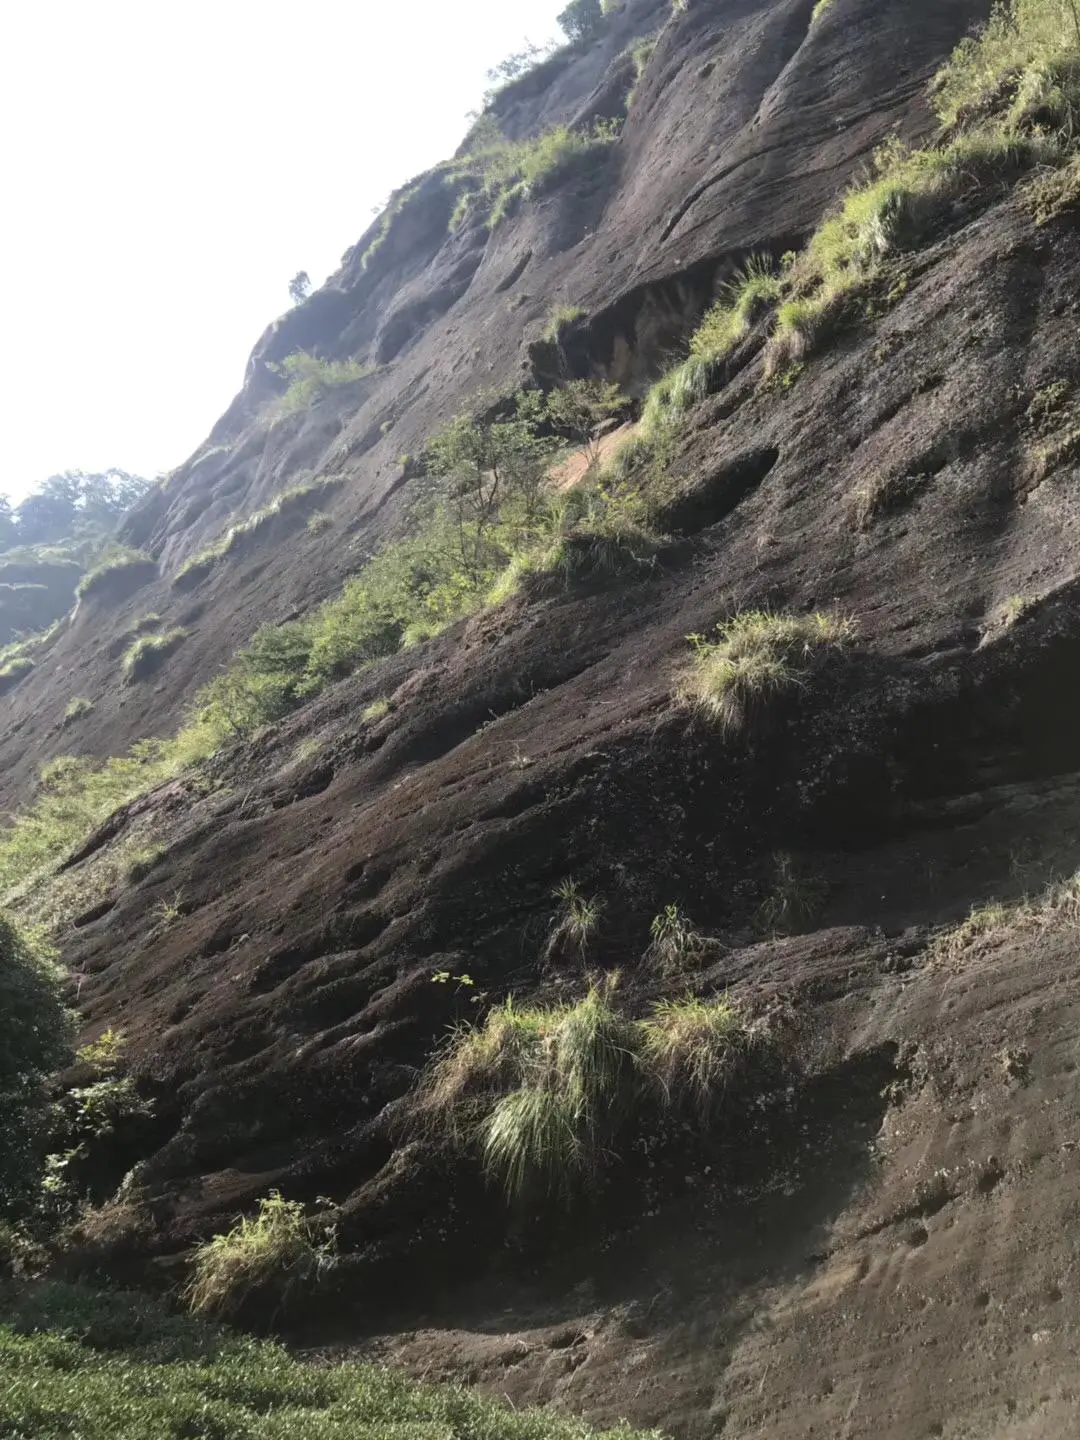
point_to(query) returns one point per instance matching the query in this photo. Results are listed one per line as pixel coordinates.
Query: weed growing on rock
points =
(118, 564)
(548, 1094)
(309, 379)
(577, 919)
(269, 1255)
(145, 656)
(673, 941)
(297, 499)
(77, 708)
(757, 657)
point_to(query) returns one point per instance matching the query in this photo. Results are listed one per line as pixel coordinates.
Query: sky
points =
(168, 168)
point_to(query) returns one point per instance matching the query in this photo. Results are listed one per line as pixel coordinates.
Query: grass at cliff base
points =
(87, 1365)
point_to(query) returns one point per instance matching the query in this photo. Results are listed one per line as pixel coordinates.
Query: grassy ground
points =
(84, 1365)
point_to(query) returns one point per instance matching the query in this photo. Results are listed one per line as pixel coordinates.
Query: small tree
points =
(579, 408)
(299, 286)
(35, 1039)
(580, 19)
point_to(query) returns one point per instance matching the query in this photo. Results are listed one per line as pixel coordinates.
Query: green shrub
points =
(270, 1256)
(118, 563)
(757, 657)
(89, 1364)
(145, 656)
(309, 379)
(35, 1039)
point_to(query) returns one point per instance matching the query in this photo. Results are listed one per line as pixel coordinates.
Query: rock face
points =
(889, 1250)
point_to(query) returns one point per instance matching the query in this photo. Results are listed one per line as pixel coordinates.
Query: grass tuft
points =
(693, 1047)
(757, 657)
(270, 1254)
(145, 656)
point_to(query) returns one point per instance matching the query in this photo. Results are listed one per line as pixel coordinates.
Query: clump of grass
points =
(793, 899)
(119, 564)
(1022, 42)
(757, 657)
(502, 174)
(746, 297)
(673, 941)
(559, 320)
(881, 494)
(310, 379)
(376, 710)
(13, 670)
(145, 656)
(576, 921)
(1055, 907)
(77, 708)
(296, 498)
(547, 1094)
(269, 1255)
(693, 1047)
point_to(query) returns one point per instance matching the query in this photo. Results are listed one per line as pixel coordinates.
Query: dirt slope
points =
(887, 1247)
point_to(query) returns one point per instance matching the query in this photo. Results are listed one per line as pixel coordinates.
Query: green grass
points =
(1029, 40)
(296, 499)
(309, 379)
(145, 656)
(757, 657)
(693, 1047)
(747, 296)
(500, 175)
(559, 319)
(268, 1257)
(77, 708)
(118, 561)
(548, 1095)
(13, 670)
(90, 1365)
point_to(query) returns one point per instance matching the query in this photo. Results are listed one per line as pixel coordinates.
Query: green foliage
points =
(819, 9)
(35, 1039)
(757, 657)
(87, 1364)
(581, 19)
(547, 1094)
(145, 656)
(309, 379)
(75, 796)
(1026, 38)
(579, 408)
(577, 919)
(692, 1047)
(673, 941)
(745, 297)
(559, 319)
(115, 562)
(296, 499)
(13, 670)
(77, 708)
(271, 1255)
(499, 175)
(641, 53)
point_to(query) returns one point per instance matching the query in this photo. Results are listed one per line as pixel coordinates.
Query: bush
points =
(147, 654)
(580, 19)
(1022, 38)
(757, 657)
(35, 1039)
(548, 1093)
(269, 1256)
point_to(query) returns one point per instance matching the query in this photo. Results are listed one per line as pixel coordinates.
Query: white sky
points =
(166, 169)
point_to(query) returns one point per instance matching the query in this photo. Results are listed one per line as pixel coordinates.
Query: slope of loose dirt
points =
(885, 1245)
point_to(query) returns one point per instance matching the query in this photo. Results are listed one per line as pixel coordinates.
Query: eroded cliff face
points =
(886, 1245)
